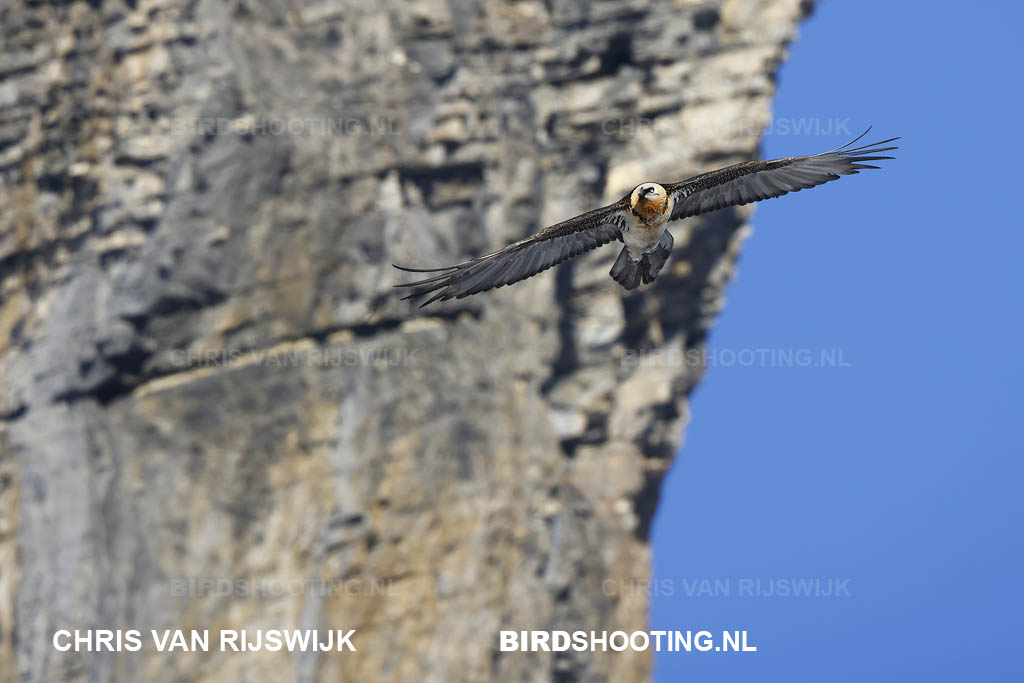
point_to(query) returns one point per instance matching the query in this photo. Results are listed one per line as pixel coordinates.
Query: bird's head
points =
(648, 199)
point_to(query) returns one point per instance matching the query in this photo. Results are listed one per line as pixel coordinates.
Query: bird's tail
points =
(630, 272)
(626, 270)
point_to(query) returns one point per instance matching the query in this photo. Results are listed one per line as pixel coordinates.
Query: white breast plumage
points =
(642, 238)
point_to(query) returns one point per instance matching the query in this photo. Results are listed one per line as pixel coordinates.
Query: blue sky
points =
(896, 466)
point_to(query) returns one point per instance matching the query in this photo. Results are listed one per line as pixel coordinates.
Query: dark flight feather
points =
(753, 181)
(522, 259)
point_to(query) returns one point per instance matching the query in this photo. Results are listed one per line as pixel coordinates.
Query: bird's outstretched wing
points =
(753, 181)
(522, 259)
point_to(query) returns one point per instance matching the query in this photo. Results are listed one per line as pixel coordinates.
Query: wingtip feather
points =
(423, 270)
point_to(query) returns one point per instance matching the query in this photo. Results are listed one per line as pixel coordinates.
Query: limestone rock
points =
(214, 411)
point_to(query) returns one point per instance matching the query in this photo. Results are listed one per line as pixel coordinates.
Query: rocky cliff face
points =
(215, 413)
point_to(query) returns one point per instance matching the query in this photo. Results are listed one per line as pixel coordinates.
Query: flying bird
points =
(639, 221)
